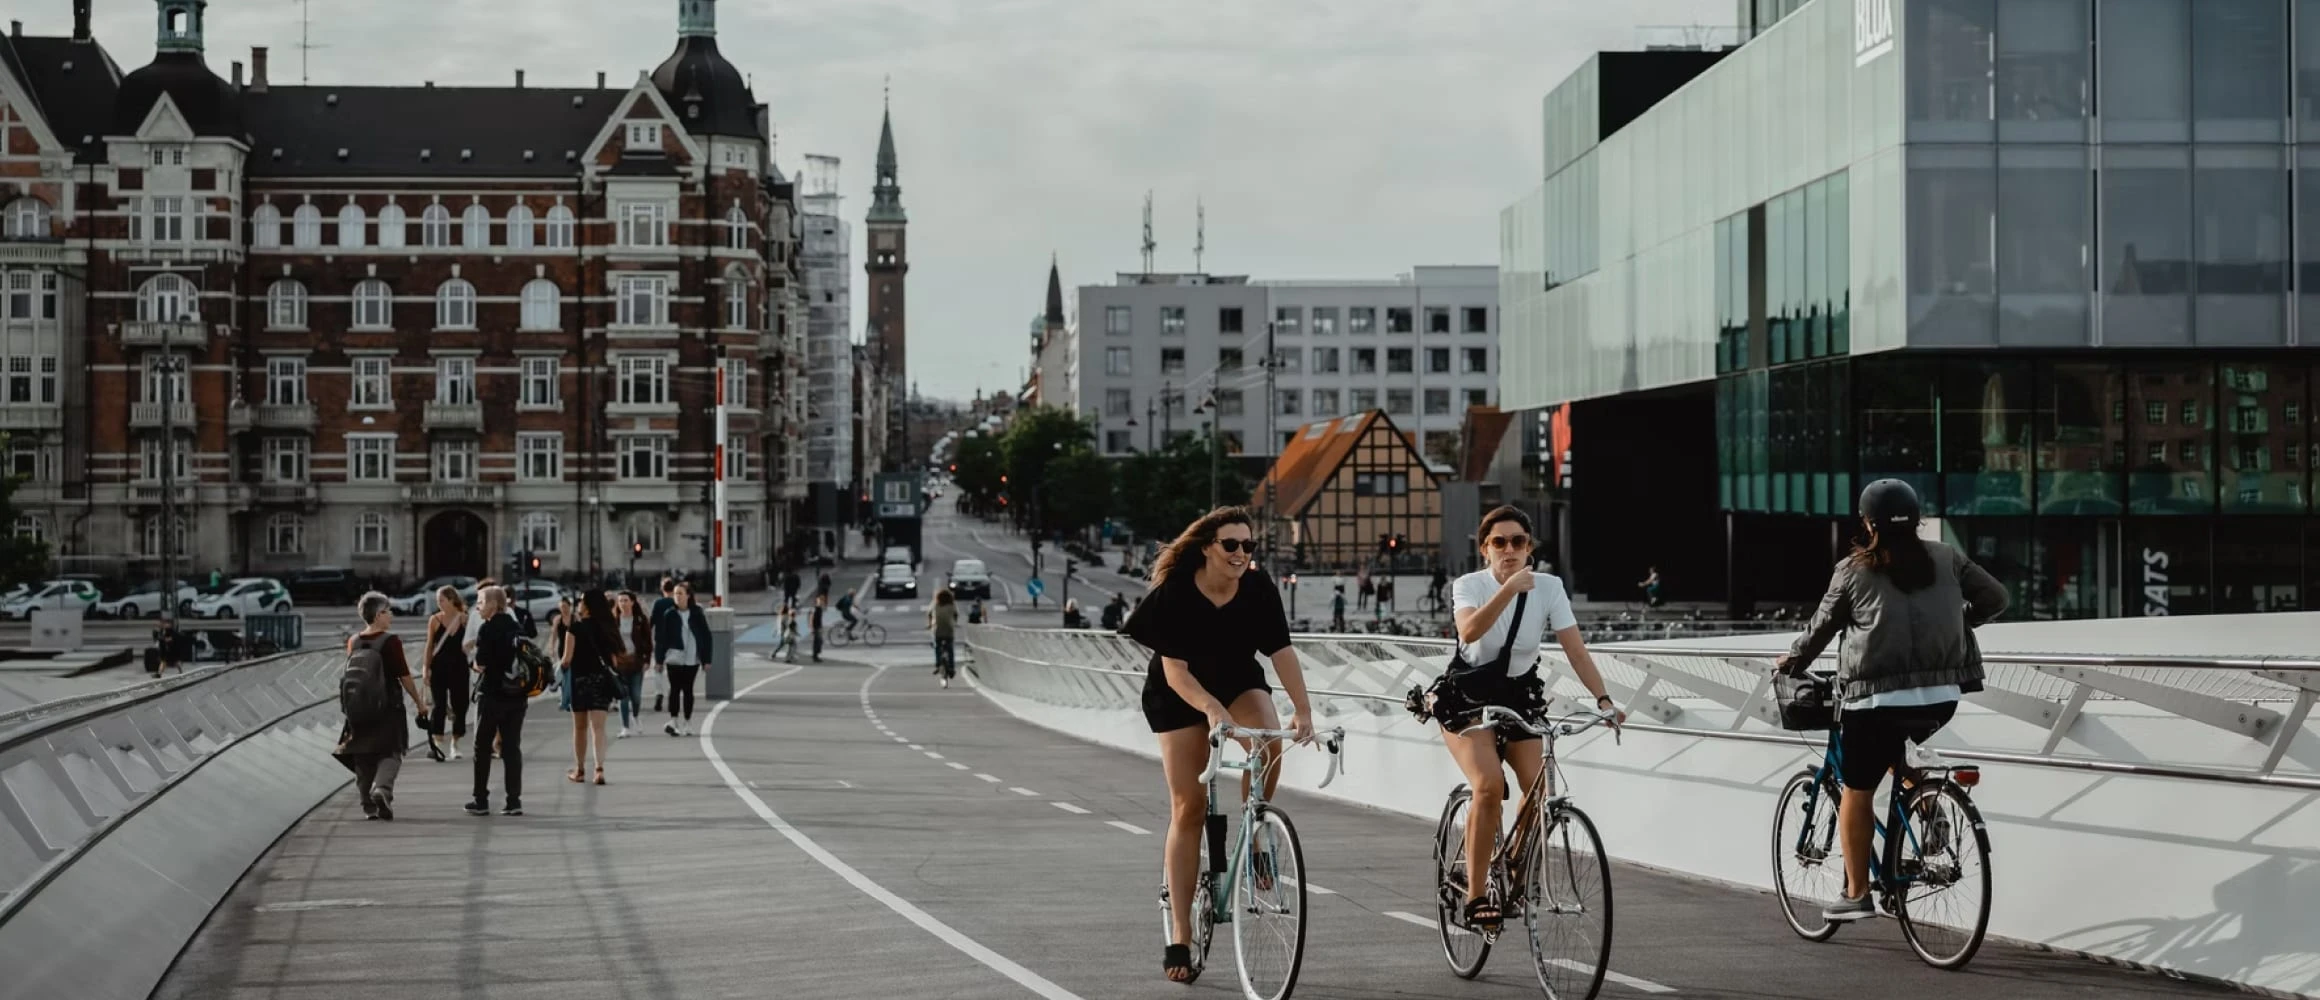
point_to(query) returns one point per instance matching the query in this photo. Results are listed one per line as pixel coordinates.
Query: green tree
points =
(980, 465)
(22, 560)
(1161, 492)
(1035, 438)
(1077, 493)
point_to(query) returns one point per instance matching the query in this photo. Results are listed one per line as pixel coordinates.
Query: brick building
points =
(426, 327)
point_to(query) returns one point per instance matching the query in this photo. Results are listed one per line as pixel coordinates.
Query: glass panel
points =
(1840, 237)
(2240, 216)
(2263, 441)
(2146, 246)
(2146, 70)
(1896, 399)
(1797, 305)
(2074, 577)
(2003, 546)
(2237, 62)
(1722, 238)
(1757, 417)
(2045, 228)
(2312, 564)
(1740, 279)
(1952, 212)
(2253, 571)
(2308, 229)
(2081, 439)
(2042, 71)
(2167, 568)
(1816, 270)
(1776, 279)
(1985, 437)
(1949, 69)
(2169, 410)
(1727, 441)
(2308, 72)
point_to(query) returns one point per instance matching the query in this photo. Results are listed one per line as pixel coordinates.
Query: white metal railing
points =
(2263, 705)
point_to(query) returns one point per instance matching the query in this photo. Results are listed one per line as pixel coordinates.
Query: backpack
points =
(533, 671)
(362, 686)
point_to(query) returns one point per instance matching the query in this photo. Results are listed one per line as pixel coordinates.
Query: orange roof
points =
(1305, 466)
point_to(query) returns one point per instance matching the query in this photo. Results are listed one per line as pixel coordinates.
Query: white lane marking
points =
(949, 935)
(931, 755)
(1130, 827)
(753, 784)
(915, 746)
(1025, 792)
(296, 906)
(955, 765)
(1644, 985)
(992, 778)
(1310, 887)
(1069, 808)
(843, 783)
(1412, 918)
(899, 739)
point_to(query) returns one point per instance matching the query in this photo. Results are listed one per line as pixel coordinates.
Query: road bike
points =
(1931, 868)
(869, 632)
(1550, 869)
(1258, 885)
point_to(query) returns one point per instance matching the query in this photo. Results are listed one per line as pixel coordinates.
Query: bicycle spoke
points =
(1268, 907)
(1465, 948)
(1807, 867)
(1568, 906)
(1945, 907)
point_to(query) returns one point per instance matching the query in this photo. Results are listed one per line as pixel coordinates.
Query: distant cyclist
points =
(1907, 606)
(1650, 587)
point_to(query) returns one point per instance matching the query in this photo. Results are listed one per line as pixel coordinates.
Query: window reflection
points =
(1896, 400)
(2263, 438)
(2240, 202)
(2044, 230)
(1985, 437)
(2075, 574)
(1952, 206)
(2253, 571)
(2146, 258)
(1840, 237)
(2238, 67)
(2081, 439)
(2042, 70)
(2146, 70)
(2171, 420)
(2002, 546)
(1949, 69)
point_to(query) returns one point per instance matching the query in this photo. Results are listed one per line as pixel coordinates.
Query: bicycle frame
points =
(1223, 869)
(1889, 833)
(1539, 800)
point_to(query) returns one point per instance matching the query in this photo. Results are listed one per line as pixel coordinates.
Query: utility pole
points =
(1272, 439)
(717, 518)
(171, 369)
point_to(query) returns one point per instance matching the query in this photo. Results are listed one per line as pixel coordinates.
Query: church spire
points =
(1054, 293)
(886, 194)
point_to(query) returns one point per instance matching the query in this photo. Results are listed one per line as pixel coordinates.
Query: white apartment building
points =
(1154, 349)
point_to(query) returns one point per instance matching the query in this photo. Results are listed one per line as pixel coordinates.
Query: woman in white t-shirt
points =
(1506, 654)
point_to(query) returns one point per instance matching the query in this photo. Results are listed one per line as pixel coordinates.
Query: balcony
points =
(453, 493)
(283, 416)
(31, 417)
(644, 494)
(279, 494)
(173, 334)
(154, 415)
(150, 494)
(454, 417)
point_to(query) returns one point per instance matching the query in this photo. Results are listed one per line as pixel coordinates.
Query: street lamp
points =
(1215, 415)
(170, 367)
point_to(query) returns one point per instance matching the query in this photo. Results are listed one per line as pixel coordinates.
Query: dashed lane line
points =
(1130, 827)
(1025, 792)
(1412, 918)
(1642, 985)
(955, 765)
(1069, 808)
(992, 778)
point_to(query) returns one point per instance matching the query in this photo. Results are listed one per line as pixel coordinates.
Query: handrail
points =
(118, 698)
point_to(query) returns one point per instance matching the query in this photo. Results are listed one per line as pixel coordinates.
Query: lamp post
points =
(171, 369)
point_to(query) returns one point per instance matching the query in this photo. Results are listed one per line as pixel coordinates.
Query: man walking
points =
(501, 697)
(789, 589)
(821, 604)
(666, 601)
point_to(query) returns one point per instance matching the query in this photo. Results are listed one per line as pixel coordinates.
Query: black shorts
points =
(1870, 740)
(1458, 704)
(1165, 712)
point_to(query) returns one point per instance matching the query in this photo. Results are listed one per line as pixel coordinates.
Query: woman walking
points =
(1209, 615)
(635, 650)
(447, 674)
(681, 635)
(372, 746)
(589, 681)
(787, 642)
(942, 619)
(560, 646)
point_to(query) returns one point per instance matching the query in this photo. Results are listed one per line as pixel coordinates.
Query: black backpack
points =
(362, 687)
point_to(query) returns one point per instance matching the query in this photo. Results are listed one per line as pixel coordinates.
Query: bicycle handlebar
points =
(1331, 741)
(1569, 725)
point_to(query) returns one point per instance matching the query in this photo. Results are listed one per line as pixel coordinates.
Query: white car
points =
(970, 579)
(55, 595)
(538, 598)
(145, 599)
(253, 595)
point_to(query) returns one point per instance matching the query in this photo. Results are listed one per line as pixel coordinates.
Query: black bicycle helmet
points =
(1890, 502)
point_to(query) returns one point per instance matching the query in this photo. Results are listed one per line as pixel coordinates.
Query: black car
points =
(324, 585)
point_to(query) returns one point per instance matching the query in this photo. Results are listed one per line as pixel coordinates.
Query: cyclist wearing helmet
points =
(1907, 607)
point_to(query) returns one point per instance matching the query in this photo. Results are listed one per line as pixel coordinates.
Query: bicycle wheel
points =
(1465, 949)
(873, 634)
(1203, 918)
(1567, 906)
(1945, 904)
(1269, 907)
(838, 637)
(1808, 872)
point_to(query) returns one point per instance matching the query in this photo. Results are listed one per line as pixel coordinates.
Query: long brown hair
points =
(1186, 549)
(1898, 554)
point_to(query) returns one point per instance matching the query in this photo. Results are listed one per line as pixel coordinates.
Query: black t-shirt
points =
(1179, 621)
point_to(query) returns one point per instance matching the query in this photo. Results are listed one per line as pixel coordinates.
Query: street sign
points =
(897, 510)
(1034, 587)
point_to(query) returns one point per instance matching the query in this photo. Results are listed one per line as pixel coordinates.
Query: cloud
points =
(1351, 138)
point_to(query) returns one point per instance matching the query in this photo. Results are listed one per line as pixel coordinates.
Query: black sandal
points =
(1484, 915)
(1178, 956)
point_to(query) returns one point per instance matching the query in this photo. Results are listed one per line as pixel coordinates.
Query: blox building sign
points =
(1872, 30)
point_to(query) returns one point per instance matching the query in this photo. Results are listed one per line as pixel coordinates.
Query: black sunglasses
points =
(1231, 545)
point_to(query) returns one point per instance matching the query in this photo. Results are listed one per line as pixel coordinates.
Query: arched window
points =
(519, 228)
(306, 227)
(737, 229)
(736, 299)
(541, 532)
(350, 225)
(32, 528)
(394, 229)
(455, 305)
(559, 230)
(28, 219)
(286, 535)
(370, 534)
(286, 305)
(152, 536)
(266, 227)
(543, 305)
(645, 530)
(374, 305)
(435, 226)
(475, 227)
(167, 297)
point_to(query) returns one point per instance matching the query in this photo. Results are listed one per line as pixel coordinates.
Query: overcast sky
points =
(1337, 139)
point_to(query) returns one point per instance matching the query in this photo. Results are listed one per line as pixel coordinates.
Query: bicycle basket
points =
(1807, 702)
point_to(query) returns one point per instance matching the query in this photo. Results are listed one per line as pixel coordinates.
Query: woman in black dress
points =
(1207, 617)
(588, 647)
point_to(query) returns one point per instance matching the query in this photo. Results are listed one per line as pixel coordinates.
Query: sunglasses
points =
(1231, 545)
(1515, 542)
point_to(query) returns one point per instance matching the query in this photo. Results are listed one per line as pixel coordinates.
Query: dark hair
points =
(597, 611)
(1185, 550)
(668, 583)
(1898, 554)
(1503, 512)
(944, 596)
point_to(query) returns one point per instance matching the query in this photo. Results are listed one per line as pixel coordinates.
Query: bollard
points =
(719, 683)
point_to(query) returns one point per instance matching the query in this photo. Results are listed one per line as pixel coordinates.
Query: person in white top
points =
(1505, 654)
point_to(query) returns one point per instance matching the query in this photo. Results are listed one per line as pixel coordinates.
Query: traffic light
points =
(636, 550)
(534, 563)
(704, 545)
(1036, 544)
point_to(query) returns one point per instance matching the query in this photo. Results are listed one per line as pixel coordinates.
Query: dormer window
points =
(644, 135)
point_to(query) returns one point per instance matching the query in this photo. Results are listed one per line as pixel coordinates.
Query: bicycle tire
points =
(1269, 962)
(838, 637)
(1203, 916)
(873, 634)
(1563, 858)
(1803, 891)
(1958, 836)
(1466, 950)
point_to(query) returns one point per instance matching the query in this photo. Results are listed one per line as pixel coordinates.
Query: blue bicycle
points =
(1931, 869)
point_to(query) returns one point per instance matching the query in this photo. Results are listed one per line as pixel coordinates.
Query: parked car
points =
(897, 580)
(55, 595)
(421, 602)
(325, 585)
(970, 579)
(249, 595)
(538, 599)
(146, 599)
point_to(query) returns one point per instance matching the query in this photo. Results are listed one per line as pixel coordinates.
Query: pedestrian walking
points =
(447, 675)
(681, 640)
(501, 697)
(1364, 589)
(628, 662)
(942, 618)
(371, 691)
(789, 589)
(590, 685)
(1337, 610)
(1115, 613)
(660, 673)
(821, 604)
(560, 642)
(786, 636)
(822, 585)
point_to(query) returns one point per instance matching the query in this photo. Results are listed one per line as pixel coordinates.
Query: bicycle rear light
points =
(1967, 776)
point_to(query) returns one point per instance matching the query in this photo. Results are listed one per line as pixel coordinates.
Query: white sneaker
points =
(946, 682)
(454, 749)
(626, 732)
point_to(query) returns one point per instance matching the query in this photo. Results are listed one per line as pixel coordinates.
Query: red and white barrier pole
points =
(717, 518)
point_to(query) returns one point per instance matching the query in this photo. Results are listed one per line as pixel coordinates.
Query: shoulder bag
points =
(1443, 697)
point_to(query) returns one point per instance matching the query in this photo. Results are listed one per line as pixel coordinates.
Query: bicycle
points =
(1912, 868)
(869, 632)
(1261, 882)
(1550, 869)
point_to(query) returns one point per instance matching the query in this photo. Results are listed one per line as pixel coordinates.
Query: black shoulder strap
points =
(1505, 655)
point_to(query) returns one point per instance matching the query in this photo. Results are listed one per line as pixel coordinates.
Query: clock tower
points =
(887, 266)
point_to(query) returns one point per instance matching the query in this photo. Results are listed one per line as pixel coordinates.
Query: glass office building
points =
(2056, 262)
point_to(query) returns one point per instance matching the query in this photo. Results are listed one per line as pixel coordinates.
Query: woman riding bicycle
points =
(1488, 601)
(1908, 606)
(1207, 618)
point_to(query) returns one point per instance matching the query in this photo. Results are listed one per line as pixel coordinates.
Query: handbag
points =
(1807, 702)
(1443, 697)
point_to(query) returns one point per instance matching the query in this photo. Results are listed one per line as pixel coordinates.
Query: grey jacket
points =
(1901, 640)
